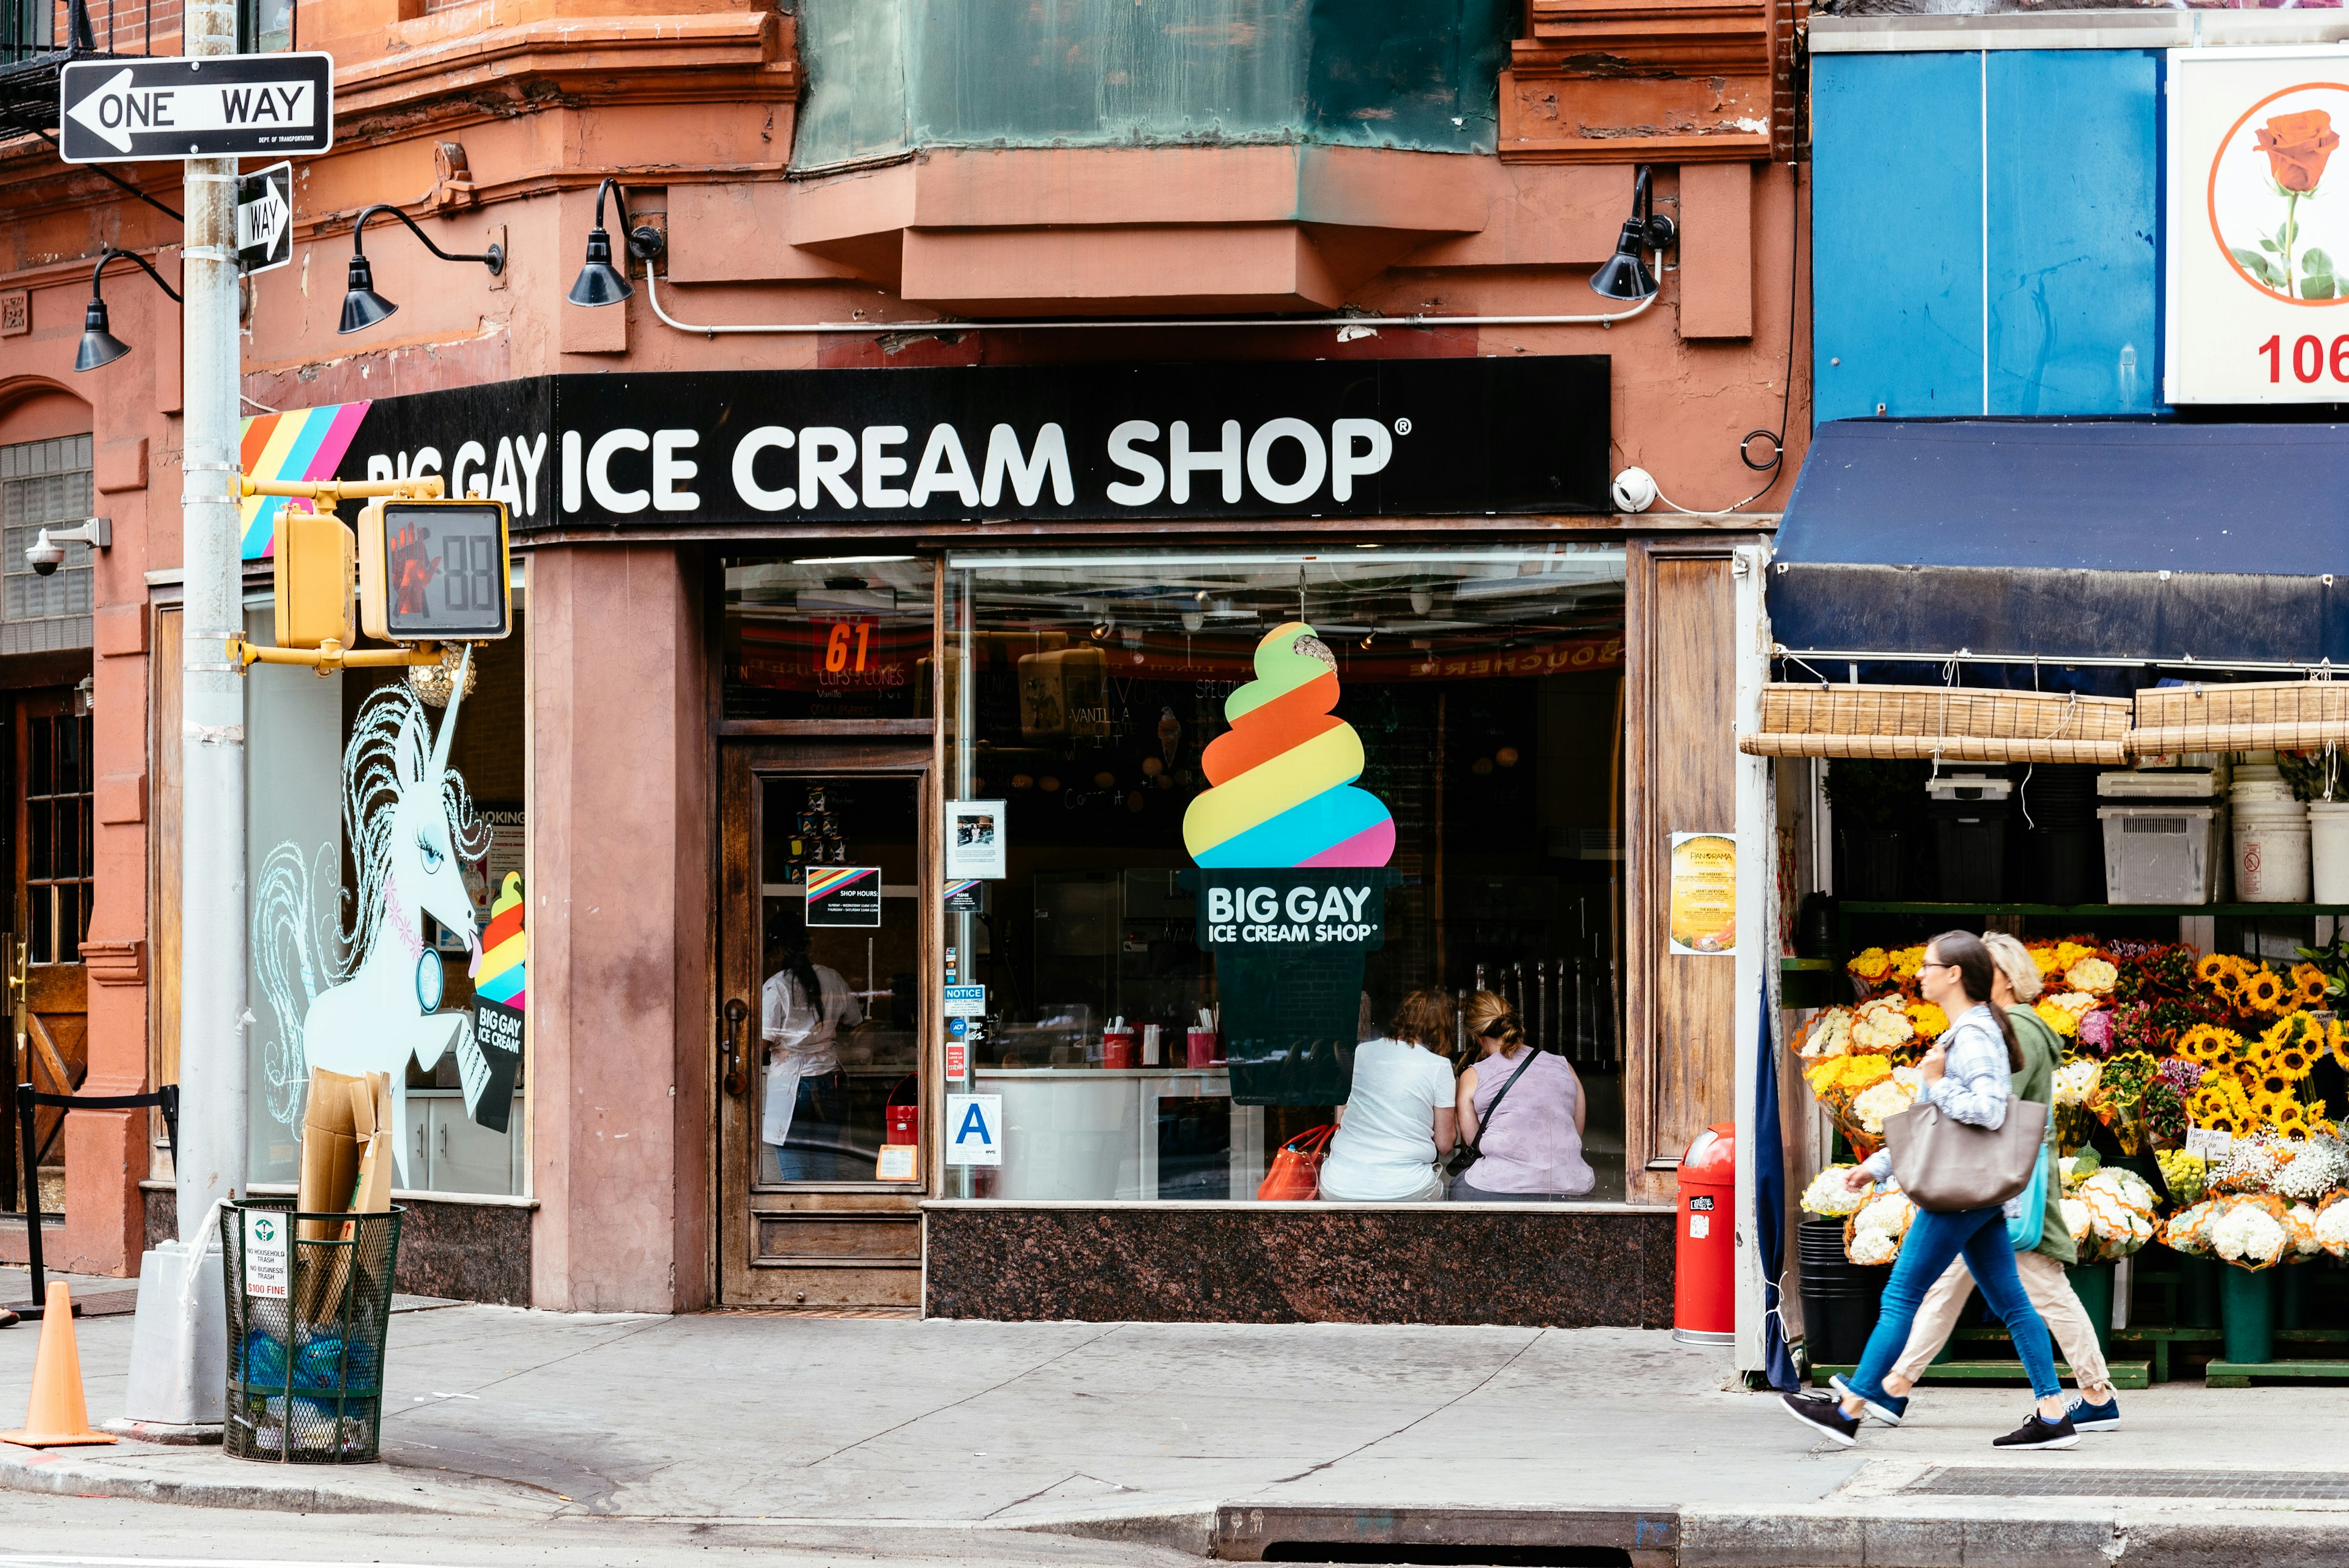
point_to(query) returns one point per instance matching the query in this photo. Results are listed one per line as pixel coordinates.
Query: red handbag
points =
(1295, 1174)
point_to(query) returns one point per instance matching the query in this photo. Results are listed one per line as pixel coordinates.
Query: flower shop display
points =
(2110, 1213)
(1828, 1198)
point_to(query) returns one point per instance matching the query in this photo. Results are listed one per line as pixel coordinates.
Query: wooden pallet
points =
(2126, 1374)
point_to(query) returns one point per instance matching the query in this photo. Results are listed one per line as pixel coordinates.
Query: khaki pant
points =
(2044, 1281)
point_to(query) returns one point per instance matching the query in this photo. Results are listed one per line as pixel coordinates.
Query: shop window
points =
(264, 26)
(838, 638)
(42, 483)
(1262, 811)
(334, 902)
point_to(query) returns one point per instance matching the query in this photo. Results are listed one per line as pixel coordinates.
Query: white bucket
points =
(2328, 850)
(2271, 853)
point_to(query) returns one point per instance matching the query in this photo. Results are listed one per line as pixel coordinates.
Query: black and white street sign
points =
(265, 218)
(121, 111)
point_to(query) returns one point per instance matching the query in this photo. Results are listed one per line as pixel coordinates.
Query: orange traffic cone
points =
(58, 1416)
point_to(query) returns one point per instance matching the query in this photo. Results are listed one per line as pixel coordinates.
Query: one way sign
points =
(119, 111)
(265, 218)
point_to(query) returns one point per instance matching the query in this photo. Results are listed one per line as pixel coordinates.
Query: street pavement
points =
(1231, 1438)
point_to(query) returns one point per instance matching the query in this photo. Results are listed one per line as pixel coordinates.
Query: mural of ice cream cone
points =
(1283, 776)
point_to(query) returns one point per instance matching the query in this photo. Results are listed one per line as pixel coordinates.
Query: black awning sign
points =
(120, 111)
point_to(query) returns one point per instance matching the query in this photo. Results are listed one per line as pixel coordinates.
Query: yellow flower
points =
(2093, 974)
(2070, 953)
(2211, 969)
(2294, 1063)
(1870, 964)
(1860, 1071)
(2264, 992)
(2310, 981)
(1908, 961)
(2064, 1021)
(2044, 955)
(1928, 1020)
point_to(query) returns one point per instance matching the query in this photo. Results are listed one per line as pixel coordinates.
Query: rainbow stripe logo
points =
(503, 976)
(299, 444)
(825, 881)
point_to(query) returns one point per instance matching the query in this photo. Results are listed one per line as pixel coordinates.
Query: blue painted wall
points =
(2057, 152)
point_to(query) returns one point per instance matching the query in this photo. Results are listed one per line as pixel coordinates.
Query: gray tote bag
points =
(1946, 1166)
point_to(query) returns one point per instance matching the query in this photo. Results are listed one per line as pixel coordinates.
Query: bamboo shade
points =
(2268, 716)
(1954, 725)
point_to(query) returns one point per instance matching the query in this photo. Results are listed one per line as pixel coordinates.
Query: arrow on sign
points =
(118, 110)
(261, 224)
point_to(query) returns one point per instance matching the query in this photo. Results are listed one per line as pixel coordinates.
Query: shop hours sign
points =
(2257, 286)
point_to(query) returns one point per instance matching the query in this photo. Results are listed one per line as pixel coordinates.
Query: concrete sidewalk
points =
(1230, 1439)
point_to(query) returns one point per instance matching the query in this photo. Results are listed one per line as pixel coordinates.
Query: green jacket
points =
(2041, 1053)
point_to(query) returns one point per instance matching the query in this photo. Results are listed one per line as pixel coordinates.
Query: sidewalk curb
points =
(77, 1472)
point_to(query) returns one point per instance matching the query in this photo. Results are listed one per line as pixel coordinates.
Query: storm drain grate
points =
(2282, 1486)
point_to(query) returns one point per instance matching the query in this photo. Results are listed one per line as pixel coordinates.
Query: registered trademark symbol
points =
(1402, 427)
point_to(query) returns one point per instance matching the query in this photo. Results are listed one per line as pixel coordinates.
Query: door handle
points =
(735, 1078)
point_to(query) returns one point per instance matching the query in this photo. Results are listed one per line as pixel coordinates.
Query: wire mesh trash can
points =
(309, 1304)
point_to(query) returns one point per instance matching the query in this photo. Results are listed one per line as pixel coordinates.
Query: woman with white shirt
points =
(803, 1007)
(1398, 1123)
(1969, 1073)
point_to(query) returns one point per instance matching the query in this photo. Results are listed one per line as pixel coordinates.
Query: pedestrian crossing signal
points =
(311, 563)
(435, 571)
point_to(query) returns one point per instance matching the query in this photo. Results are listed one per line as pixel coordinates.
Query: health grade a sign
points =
(2258, 226)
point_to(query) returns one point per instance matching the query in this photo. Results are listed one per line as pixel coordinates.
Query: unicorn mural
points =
(358, 995)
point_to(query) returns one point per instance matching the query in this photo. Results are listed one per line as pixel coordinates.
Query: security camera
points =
(48, 553)
(1635, 490)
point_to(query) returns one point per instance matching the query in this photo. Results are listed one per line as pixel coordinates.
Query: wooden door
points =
(50, 783)
(806, 1219)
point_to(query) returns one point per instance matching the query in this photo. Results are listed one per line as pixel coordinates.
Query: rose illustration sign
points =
(2258, 226)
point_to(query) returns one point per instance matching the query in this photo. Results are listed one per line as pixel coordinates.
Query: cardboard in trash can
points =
(346, 1162)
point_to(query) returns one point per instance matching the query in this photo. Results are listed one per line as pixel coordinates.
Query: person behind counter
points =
(803, 1007)
(1530, 1150)
(1397, 1125)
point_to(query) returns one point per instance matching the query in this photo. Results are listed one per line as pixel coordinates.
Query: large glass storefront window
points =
(828, 638)
(1272, 823)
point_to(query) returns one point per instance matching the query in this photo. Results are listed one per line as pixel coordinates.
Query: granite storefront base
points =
(1601, 1266)
(466, 1251)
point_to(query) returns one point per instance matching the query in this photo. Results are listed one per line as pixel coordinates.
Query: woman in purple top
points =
(1529, 1150)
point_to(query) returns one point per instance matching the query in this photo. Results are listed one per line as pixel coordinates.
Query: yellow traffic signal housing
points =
(313, 570)
(435, 571)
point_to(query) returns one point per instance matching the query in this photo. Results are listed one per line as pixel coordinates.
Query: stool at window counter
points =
(1705, 1261)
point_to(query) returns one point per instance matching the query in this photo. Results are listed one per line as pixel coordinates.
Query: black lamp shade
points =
(599, 282)
(98, 347)
(1625, 275)
(362, 307)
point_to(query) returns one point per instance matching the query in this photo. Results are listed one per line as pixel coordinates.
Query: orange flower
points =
(2297, 146)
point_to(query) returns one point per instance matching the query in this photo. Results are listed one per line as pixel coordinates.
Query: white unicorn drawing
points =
(408, 819)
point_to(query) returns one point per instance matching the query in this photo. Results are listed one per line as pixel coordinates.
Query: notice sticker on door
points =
(966, 1002)
(844, 895)
(265, 1255)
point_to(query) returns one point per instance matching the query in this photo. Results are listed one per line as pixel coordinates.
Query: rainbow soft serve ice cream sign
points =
(1291, 880)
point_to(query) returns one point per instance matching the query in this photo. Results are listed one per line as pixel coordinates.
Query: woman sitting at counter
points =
(1530, 1150)
(1396, 1127)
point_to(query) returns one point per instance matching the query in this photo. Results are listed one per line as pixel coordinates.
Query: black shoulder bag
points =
(1465, 1155)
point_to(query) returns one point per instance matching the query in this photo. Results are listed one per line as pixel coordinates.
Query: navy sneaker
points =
(1886, 1409)
(1824, 1417)
(2038, 1433)
(2088, 1417)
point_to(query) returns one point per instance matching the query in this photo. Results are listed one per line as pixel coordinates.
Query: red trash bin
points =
(1704, 1250)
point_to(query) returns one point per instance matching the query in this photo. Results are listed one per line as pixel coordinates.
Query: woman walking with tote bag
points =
(1968, 1078)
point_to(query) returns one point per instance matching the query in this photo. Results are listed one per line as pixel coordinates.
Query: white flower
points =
(1889, 1097)
(2304, 1233)
(2332, 1230)
(2076, 1218)
(1830, 1035)
(1827, 1197)
(1871, 1247)
(2316, 1168)
(2074, 1082)
(2124, 1189)
(1882, 1024)
(2246, 1232)
(1887, 1213)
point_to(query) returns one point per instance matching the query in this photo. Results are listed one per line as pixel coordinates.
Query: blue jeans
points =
(1932, 1241)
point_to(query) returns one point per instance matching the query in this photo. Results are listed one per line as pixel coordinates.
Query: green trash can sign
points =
(265, 1273)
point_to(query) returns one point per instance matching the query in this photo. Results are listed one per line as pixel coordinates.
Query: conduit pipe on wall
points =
(883, 328)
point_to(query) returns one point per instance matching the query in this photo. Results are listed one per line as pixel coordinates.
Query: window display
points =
(1260, 810)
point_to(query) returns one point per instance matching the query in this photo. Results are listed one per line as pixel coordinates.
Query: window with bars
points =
(55, 756)
(44, 482)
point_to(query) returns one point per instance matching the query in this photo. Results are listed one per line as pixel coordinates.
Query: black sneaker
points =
(1889, 1409)
(2040, 1433)
(1825, 1419)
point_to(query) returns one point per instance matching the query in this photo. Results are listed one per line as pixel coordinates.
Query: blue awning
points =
(2054, 540)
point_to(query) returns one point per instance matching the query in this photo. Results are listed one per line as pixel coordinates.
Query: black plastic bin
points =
(1841, 1299)
(306, 1324)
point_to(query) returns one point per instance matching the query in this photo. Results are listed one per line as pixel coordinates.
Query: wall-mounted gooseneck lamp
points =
(1626, 273)
(362, 307)
(98, 344)
(599, 282)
